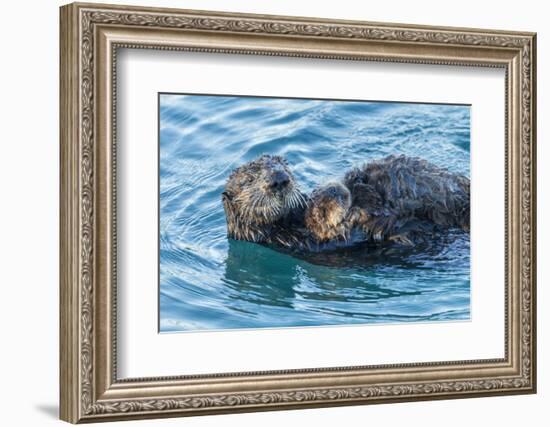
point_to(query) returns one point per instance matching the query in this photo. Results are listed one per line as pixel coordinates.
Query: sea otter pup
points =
(327, 216)
(397, 199)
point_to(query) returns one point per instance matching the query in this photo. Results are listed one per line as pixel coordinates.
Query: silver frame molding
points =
(90, 37)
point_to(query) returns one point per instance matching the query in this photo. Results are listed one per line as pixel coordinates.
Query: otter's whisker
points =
(297, 199)
(291, 201)
(294, 200)
(300, 198)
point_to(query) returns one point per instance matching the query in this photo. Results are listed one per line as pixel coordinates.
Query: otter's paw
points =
(326, 212)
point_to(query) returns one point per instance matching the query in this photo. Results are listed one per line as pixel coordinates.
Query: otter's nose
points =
(279, 179)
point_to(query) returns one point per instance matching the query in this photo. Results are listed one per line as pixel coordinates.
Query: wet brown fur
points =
(327, 211)
(406, 199)
(257, 212)
(396, 199)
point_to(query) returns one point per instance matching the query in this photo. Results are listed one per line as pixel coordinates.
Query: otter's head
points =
(257, 195)
(326, 212)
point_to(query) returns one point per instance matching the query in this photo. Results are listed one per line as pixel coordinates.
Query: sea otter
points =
(395, 200)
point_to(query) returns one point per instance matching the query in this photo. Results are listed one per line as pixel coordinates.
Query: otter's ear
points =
(227, 196)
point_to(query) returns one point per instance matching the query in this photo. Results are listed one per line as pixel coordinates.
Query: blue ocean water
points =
(209, 282)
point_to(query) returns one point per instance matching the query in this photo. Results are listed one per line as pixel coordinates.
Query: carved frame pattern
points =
(79, 399)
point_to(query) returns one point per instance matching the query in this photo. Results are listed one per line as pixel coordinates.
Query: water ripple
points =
(208, 282)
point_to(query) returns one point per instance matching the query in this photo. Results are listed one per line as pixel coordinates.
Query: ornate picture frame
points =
(91, 34)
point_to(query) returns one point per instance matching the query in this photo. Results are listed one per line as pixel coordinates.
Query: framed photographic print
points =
(266, 212)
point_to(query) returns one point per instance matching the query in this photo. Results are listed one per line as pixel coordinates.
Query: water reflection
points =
(208, 282)
(261, 275)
